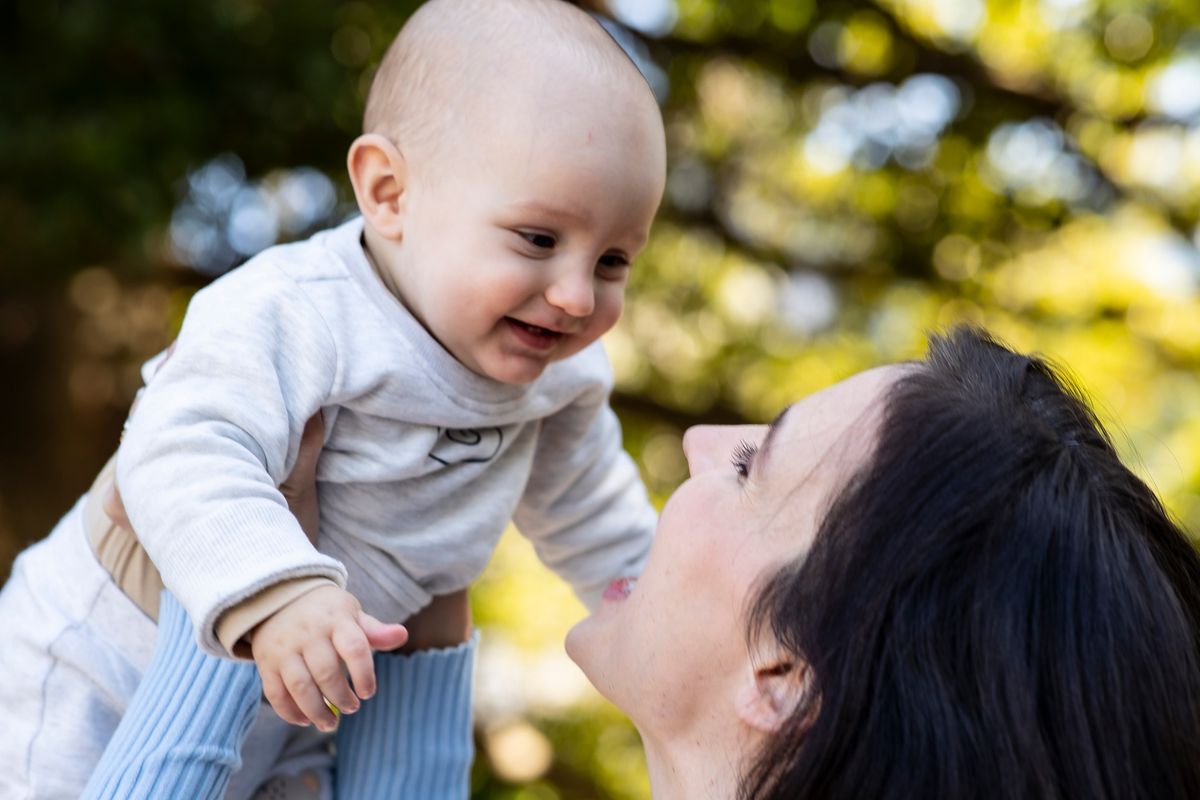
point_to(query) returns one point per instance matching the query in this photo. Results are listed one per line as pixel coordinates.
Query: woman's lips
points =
(532, 336)
(619, 589)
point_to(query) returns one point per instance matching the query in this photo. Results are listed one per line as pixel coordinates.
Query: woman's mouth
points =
(619, 589)
(533, 336)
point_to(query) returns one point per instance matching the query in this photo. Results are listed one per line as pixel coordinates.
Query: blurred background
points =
(844, 176)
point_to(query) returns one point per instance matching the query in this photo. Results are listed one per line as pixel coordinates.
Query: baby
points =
(511, 166)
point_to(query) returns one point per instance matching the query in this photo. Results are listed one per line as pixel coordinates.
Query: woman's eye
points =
(743, 457)
(542, 241)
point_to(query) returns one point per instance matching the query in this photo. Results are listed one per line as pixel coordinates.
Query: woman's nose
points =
(698, 448)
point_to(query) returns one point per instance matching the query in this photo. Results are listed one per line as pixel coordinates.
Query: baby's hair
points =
(450, 51)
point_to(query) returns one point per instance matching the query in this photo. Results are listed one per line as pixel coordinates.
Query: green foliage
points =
(108, 108)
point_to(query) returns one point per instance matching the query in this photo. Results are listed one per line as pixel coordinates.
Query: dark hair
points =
(995, 606)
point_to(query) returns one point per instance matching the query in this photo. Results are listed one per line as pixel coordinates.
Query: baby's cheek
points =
(607, 313)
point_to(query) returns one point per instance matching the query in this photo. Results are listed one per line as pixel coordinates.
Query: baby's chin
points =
(520, 377)
(522, 371)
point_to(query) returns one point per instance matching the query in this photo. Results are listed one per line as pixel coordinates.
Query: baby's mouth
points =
(534, 334)
(540, 331)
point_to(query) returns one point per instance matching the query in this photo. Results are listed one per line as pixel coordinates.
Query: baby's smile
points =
(534, 336)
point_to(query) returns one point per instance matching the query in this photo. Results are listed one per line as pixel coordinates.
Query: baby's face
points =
(518, 241)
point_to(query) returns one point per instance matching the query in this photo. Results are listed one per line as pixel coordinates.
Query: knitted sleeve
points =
(413, 739)
(182, 733)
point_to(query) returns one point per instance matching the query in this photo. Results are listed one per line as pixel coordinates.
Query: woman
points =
(934, 579)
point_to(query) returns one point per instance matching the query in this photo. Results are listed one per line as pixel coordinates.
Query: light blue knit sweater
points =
(182, 733)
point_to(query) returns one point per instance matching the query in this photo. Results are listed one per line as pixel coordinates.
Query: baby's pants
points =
(72, 650)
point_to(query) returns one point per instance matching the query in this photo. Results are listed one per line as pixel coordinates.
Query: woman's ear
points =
(378, 174)
(771, 693)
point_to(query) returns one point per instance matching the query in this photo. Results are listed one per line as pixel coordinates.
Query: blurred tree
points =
(844, 175)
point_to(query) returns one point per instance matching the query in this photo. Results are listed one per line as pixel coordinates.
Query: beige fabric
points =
(118, 550)
(123, 557)
(237, 622)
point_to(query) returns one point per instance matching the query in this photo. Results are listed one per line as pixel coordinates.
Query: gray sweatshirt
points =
(424, 462)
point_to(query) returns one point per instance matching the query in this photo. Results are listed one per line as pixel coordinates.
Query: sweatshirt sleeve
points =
(216, 431)
(585, 508)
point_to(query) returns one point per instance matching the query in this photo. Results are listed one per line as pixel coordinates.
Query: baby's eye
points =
(743, 457)
(612, 267)
(542, 241)
(614, 261)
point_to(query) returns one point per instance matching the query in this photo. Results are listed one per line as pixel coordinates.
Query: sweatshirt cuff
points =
(234, 626)
(414, 737)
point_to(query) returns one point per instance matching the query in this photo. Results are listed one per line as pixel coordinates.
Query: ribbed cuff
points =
(182, 733)
(413, 740)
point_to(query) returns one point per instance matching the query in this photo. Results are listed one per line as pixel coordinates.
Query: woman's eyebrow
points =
(764, 450)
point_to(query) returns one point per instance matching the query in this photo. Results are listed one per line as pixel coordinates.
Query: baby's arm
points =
(216, 429)
(585, 508)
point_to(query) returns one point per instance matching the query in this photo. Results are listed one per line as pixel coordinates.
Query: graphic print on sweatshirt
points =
(467, 445)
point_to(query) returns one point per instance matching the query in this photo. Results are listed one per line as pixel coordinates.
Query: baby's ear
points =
(771, 693)
(378, 174)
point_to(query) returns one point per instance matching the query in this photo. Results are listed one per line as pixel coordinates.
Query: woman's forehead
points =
(822, 439)
(845, 407)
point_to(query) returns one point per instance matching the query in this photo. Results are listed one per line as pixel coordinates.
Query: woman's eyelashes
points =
(742, 458)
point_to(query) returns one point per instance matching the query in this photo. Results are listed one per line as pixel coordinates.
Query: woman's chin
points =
(576, 642)
(588, 646)
(601, 643)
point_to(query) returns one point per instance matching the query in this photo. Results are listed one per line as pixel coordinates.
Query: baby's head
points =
(512, 162)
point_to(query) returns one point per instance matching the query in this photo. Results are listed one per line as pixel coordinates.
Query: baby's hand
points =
(301, 648)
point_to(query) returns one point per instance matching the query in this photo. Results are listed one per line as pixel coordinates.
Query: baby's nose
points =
(573, 293)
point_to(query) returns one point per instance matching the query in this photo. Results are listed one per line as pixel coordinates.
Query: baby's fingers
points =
(306, 693)
(277, 695)
(330, 678)
(382, 635)
(326, 670)
(352, 646)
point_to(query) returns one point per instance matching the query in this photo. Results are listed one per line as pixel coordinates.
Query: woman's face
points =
(668, 651)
